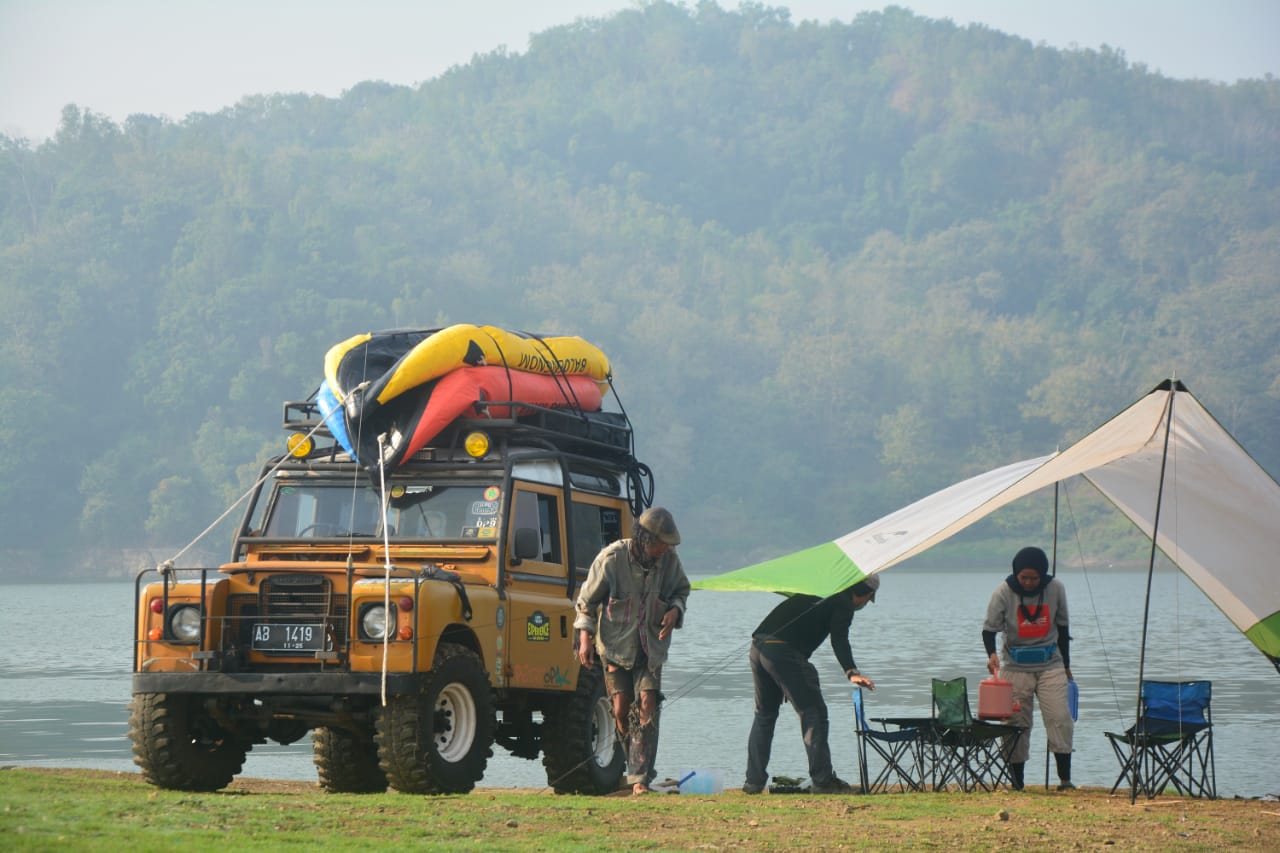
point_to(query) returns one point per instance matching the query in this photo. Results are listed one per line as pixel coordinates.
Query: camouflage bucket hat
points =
(659, 522)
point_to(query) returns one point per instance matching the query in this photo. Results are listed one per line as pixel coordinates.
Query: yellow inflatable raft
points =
(384, 365)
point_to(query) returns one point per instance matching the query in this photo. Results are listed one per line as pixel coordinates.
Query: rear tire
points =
(347, 761)
(580, 748)
(179, 747)
(439, 741)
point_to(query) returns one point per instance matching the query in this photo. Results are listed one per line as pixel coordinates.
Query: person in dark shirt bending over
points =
(780, 650)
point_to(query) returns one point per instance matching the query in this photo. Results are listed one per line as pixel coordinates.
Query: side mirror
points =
(527, 545)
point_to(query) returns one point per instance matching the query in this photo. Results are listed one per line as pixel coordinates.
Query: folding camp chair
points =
(1171, 743)
(965, 751)
(900, 750)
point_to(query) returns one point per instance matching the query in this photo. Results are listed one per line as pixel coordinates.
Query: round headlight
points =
(375, 624)
(184, 624)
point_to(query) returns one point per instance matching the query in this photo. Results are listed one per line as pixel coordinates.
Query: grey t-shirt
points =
(1028, 621)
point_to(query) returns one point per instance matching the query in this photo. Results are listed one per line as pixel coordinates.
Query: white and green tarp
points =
(1219, 512)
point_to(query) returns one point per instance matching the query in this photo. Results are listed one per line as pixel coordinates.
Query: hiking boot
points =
(1064, 770)
(1016, 775)
(749, 788)
(835, 785)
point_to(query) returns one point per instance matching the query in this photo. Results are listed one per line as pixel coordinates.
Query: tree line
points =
(835, 266)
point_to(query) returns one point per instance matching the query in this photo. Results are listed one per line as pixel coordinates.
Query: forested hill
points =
(835, 266)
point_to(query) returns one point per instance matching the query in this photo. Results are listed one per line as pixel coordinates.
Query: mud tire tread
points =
(347, 761)
(179, 751)
(406, 751)
(567, 753)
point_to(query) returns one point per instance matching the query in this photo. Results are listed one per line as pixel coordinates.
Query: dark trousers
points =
(779, 672)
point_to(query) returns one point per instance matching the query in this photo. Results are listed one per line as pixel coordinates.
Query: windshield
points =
(311, 510)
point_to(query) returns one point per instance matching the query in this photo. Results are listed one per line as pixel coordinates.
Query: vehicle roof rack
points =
(601, 435)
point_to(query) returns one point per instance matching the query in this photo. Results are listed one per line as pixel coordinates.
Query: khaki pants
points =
(1050, 687)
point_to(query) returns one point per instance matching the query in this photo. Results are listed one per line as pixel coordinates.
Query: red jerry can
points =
(995, 699)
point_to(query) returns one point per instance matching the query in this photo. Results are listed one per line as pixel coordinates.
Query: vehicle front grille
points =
(296, 598)
(293, 600)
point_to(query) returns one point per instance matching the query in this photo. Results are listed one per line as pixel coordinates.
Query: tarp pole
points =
(1053, 572)
(1146, 605)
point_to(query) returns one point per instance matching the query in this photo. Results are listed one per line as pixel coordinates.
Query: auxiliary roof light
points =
(477, 444)
(299, 445)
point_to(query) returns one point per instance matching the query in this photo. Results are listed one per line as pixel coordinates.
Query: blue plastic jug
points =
(701, 782)
(1073, 699)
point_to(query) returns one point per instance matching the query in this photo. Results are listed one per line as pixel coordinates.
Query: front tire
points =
(580, 748)
(179, 747)
(439, 741)
(347, 761)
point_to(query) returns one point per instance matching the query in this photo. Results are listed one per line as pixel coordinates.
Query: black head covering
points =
(1030, 557)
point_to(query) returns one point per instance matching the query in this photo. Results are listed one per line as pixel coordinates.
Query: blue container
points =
(1073, 699)
(701, 782)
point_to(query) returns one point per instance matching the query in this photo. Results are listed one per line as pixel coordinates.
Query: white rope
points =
(174, 559)
(386, 563)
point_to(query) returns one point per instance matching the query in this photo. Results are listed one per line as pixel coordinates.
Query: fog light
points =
(299, 445)
(476, 444)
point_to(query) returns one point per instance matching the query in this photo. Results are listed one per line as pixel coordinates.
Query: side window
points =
(594, 527)
(539, 511)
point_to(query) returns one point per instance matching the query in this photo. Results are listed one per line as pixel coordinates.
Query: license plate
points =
(288, 638)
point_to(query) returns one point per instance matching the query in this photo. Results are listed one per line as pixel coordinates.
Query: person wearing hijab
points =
(1030, 609)
(633, 598)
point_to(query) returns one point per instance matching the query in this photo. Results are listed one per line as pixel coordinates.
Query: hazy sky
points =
(174, 57)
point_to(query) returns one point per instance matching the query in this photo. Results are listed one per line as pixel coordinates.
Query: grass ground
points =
(44, 809)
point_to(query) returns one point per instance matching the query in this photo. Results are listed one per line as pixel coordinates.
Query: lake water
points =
(65, 677)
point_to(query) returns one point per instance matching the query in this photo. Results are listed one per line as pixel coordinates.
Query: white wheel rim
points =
(602, 733)
(457, 709)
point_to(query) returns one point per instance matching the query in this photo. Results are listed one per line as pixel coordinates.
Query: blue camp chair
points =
(901, 752)
(1171, 743)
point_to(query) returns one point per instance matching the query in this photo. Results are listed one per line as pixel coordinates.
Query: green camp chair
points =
(965, 751)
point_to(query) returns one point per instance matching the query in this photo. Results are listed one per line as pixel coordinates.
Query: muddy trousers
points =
(780, 672)
(642, 747)
(640, 741)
